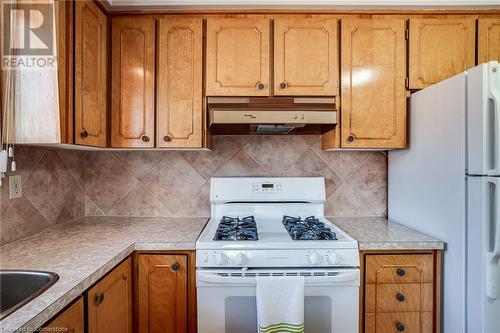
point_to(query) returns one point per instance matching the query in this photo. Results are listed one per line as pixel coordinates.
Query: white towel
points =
(280, 304)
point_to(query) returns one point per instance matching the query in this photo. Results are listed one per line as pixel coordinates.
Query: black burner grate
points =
(236, 229)
(309, 228)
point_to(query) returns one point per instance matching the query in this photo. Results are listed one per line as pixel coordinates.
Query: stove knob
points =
(220, 259)
(334, 258)
(314, 258)
(240, 259)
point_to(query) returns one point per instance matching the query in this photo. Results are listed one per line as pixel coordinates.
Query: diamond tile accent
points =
(275, 153)
(139, 202)
(240, 165)
(138, 162)
(310, 165)
(173, 181)
(106, 180)
(207, 162)
(49, 187)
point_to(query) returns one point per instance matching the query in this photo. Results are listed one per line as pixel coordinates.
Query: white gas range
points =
(274, 226)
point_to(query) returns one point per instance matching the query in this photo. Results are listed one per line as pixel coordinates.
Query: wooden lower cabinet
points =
(109, 303)
(401, 292)
(163, 293)
(69, 321)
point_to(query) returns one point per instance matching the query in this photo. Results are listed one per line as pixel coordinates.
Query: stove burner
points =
(309, 228)
(234, 228)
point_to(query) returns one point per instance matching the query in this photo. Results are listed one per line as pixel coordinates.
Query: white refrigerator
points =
(447, 184)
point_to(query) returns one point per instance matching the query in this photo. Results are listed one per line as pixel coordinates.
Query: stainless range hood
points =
(273, 115)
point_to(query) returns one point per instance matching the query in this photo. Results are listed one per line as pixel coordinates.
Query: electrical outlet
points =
(15, 187)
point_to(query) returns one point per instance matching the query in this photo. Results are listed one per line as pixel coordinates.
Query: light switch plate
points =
(15, 187)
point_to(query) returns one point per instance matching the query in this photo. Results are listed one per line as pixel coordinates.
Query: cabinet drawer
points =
(407, 322)
(407, 268)
(408, 297)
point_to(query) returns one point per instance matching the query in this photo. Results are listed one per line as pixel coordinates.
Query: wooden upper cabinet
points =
(90, 74)
(439, 49)
(133, 90)
(488, 48)
(71, 320)
(238, 57)
(163, 293)
(306, 56)
(373, 77)
(179, 78)
(110, 302)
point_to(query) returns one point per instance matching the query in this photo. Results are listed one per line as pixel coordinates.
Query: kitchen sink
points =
(17, 288)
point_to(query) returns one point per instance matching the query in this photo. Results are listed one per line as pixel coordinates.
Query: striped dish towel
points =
(280, 304)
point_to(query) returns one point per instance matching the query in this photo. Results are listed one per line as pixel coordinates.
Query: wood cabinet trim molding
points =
(488, 49)
(179, 114)
(329, 86)
(133, 130)
(361, 130)
(91, 117)
(122, 272)
(418, 79)
(216, 84)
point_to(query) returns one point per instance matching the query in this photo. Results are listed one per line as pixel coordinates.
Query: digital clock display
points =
(267, 185)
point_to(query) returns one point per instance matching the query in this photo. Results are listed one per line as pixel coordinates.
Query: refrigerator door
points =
(483, 253)
(483, 119)
(427, 189)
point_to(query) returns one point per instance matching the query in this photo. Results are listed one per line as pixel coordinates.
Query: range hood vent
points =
(271, 115)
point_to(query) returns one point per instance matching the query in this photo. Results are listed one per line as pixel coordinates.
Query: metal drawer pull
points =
(283, 85)
(401, 272)
(145, 138)
(84, 134)
(174, 267)
(400, 327)
(400, 297)
(260, 86)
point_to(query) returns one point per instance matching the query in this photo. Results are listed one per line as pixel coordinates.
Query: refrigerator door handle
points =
(492, 108)
(493, 254)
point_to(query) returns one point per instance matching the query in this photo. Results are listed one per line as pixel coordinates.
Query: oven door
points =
(226, 299)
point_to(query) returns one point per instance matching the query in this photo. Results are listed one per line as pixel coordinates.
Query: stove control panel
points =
(277, 258)
(267, 187)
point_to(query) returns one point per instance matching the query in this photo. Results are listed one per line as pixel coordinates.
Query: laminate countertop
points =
(83, 251)
(375, 233)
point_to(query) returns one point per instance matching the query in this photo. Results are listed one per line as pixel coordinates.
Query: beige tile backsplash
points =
(61, 185)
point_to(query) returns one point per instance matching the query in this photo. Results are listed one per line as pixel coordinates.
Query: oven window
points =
(241, 314)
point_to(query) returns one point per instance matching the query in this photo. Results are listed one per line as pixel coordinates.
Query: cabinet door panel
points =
(112, 313)
(439, 49)
(305, 56)
(71, 320)
(237, 57)
(488, 40)
(180, 83)
(90, 74)
(163, 293)
(133, 44)
(373, 77)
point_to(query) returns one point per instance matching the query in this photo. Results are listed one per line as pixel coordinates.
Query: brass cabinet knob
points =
(351, 138)
(145, 138)
(84, 134)
(400, 272)
(175, 266)
(283, 85)
(167, 138)
(400, 327)
(260, 86)
(400, 297)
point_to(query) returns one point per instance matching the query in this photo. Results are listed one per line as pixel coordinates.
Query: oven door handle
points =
(338, 278)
